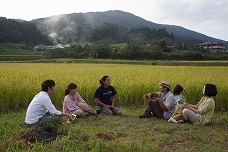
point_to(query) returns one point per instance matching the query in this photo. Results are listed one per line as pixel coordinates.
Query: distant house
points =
(212, 46)
(42, 47)
(49, 47)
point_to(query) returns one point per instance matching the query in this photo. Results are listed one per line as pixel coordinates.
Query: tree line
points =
(157, 50)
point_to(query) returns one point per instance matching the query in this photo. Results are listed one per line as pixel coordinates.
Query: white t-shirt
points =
(37, 108)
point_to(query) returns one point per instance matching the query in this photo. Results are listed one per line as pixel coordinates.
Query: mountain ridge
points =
(132, 21)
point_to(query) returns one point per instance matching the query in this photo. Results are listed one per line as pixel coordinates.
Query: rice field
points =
(19, 82)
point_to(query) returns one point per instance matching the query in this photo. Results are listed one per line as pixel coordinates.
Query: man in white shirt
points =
(41, 110)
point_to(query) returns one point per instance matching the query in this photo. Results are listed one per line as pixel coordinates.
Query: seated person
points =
(105, 98)
(204, 110)
(74, 104)
(41, 110)
(177, 117)
(160, 104)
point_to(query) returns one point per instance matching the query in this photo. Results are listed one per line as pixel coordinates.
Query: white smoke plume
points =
(60, 29)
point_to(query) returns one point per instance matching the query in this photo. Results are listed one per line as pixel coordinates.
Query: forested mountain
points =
(83, 28)
(13, 31)
(80, 27)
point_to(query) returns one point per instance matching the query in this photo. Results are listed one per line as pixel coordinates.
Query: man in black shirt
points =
(105, 97)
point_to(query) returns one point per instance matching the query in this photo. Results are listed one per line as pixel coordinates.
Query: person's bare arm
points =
(150, 95)
(192, 107)
(68, 115)
(153, 94)
(181, 101)
(113, 101)
(158, 100)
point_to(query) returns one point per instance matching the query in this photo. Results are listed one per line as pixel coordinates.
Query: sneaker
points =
(60, 122)
(74, 116)
(173, 120)
(68, 121)
(180, 121)
(169, 120)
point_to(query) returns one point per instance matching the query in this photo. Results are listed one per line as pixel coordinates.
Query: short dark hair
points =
(210, 90)
(46, 84)
(177, 89)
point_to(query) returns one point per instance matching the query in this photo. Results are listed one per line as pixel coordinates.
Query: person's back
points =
(36, 108)
(37, 111)
(178, 99)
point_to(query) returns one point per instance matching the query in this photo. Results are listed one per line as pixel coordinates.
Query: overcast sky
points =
(209, 17)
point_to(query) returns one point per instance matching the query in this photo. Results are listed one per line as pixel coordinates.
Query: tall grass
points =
(19, 82)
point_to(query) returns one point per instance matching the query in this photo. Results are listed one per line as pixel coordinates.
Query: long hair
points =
(103, 79)
(71, 86)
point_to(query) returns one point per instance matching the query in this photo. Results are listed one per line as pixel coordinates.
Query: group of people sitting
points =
(175, 108)
(162, 104)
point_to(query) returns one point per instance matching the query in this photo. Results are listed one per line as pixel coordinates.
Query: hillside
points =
(17, 52)
(18, 31)
(78, 26)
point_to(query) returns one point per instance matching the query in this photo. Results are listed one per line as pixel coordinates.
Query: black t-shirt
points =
(105, 94)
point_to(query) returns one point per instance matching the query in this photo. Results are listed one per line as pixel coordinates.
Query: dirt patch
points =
(106, 137)
(182, 140)
(45, 135)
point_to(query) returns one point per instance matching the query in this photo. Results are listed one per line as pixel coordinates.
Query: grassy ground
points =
(120, 133)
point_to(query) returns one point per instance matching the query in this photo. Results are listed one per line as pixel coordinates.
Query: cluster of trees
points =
(12, 31)
(136, 36)
(157, 50)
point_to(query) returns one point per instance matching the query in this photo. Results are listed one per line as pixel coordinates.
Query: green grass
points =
(17, 52)
(120, 133)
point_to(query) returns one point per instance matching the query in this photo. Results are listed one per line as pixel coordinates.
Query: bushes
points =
(104, 50)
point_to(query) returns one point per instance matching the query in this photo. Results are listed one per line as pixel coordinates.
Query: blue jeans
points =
(108, 111)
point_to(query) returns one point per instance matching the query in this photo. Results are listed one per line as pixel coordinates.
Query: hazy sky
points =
(209, 17)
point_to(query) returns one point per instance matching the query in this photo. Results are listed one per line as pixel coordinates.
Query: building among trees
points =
(212, 46)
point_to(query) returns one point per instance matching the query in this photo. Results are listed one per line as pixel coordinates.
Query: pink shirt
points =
(71, 104)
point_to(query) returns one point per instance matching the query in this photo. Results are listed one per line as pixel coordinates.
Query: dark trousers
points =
(46, 119)
(154, 108)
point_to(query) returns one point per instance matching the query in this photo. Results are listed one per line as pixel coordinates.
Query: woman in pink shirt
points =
(74, 104)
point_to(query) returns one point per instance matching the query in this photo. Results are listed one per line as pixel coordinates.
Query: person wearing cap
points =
(160, 104)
